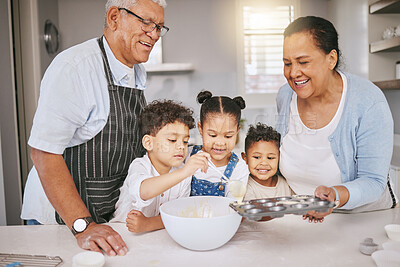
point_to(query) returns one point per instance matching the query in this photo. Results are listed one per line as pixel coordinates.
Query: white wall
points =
(80, 20)
(351, 21)
(313, 8)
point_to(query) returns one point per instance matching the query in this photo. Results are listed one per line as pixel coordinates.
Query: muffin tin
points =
(256, 209)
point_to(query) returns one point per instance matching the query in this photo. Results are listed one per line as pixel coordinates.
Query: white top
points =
(241, 173)
(302, 143)
(256, 190)
(129, 199)
(74, 113)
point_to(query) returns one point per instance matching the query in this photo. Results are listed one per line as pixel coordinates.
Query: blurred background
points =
(229, 47)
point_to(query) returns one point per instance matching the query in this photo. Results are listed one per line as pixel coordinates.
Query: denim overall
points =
(206, 188)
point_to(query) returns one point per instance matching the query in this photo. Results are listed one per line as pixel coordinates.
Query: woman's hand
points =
(323, 192)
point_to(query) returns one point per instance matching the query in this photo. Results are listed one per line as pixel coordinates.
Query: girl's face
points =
(262, 159)
(219, 132)
(307, 68)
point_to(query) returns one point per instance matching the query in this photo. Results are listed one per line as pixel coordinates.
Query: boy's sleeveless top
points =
(100, 166)
(202, 187)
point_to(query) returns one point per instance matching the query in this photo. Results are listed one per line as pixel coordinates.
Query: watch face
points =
(80, 225)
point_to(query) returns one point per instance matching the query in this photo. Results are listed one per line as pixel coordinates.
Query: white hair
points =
(127, 4)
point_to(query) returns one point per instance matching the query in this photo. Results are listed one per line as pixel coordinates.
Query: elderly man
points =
(85, 132)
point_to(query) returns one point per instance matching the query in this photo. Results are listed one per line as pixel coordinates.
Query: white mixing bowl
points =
(200, 222)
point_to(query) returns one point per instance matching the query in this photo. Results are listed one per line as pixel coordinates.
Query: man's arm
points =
(60, 189)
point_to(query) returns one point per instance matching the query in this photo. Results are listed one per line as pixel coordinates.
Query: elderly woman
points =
(337, 128)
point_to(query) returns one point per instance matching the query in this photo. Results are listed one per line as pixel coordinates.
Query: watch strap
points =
(88, 220)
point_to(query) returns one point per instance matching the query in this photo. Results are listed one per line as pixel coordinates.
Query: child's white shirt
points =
(139, 170)
(240, 172)
(256, 190)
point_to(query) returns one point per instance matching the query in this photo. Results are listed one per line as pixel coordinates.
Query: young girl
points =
(219, 127)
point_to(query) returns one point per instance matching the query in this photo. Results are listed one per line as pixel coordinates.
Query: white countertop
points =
(286, 241)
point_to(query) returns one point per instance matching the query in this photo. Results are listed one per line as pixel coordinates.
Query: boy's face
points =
(169, 147)
(262, 159)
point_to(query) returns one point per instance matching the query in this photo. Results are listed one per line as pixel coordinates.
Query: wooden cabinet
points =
(385, 7)
(388, 85)
(389, 45)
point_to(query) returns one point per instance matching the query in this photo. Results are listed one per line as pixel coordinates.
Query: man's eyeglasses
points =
(148, 25)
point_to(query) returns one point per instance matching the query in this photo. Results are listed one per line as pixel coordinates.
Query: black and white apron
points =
(100, 166)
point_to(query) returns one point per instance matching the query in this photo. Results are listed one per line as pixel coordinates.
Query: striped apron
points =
(100, 166)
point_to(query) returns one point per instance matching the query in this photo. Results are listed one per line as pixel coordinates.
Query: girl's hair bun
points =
(240, 102)
(203, 96)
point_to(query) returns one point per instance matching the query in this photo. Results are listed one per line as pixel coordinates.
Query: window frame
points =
(255, 100)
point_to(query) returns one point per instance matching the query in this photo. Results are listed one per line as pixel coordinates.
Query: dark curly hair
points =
(261, 132)
(322, 30)
(159, 113)
(220, 104)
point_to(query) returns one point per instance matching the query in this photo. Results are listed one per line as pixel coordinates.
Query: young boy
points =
(159, 176)
(262, 157)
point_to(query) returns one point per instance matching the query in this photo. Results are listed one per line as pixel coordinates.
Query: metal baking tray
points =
(7, 259)
(257, 209)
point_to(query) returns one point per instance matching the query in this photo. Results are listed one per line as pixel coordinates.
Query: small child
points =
(219, 127)
(262, 157)
(158, 176)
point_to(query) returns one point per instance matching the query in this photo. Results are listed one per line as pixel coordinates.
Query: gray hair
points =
(127, 4)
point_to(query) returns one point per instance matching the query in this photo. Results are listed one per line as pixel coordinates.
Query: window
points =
(262, 32)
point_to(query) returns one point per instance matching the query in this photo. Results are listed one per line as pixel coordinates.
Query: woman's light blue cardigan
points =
(362, 142)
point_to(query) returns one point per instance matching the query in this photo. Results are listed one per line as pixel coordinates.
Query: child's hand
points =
(136, 222)
(197, 161)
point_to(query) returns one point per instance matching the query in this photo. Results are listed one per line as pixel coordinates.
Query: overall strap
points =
(201, 187)
(233, 160)
(196, 148)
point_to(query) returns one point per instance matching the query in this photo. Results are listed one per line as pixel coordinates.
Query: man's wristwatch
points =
(81, 224)
(337, 201)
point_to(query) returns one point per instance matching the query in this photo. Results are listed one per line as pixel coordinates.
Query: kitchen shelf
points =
(388, 85)
(168, 68)
(385, 7)
(389, 45)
